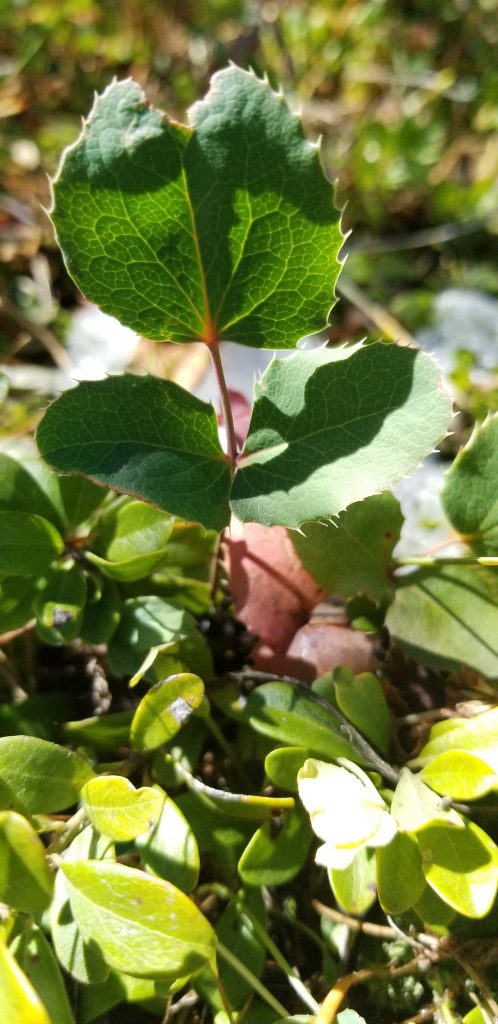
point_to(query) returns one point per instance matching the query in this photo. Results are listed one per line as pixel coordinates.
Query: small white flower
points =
(346, 810)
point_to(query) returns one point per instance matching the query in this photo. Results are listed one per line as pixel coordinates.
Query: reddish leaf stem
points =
(226, 407)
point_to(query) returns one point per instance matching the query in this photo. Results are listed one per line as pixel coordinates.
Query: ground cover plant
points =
(148, 850)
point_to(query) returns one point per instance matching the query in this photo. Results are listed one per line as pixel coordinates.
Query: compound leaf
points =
(333, 426)
(225, 227)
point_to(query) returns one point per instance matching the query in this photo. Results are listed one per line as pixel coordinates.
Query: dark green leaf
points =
(362, 701)
(17, 594)
(449, 617)
(29, 544)
(101, 614)
(470, 494)
(277, 852)
(333, 426)
(60, 603)
(131, 541)
(354, 554)
(226, 227)
(145, 437)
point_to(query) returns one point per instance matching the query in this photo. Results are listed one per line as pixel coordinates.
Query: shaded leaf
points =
(470, 493)
(36, 958)
(29, 544)
(354, 886)
(170, 849)
(361, 699)
(332, 426)
(165, 935)
(257, 263)
(400, 879)
(449, 617)
(276, 853)
(60, 603)
(353, 555)
(131, 541)
(145, 437)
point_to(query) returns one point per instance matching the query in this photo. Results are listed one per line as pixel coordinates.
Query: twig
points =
(381, 931)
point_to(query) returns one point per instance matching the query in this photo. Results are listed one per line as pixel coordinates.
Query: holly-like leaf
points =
(353, 555)
(449, 617)
(470, 493)
(118, 810)
(143, 925)
(145, 437)
(225, 227)
(332, 426)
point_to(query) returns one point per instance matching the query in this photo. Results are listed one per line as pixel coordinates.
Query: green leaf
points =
(170, 849)
(131, 541)
(220, 837)
(354, 886)
(476, 1016)
(432, 910)
(95, 1000)
(118, 810)
(460, 775)
(36, 958)
(41, 777)
(165, 934)
(101, 614)
(16, 602)
(236, 931)
(31, 486)
(82, 960)
(333, 426)
(354, 554)
(145, 437)
(362, 701)
(19, 1002)
(461, 865)
(275, 855)
(414, 804)
(226, 227)
(400, 879)
(147, 622)
(477, 735)
(25, 879)
(101, 732)
(470, 493)
(283, 764)
(289, 715)
(4, 387)
(60, 603)
(29, 544)
(448, 618)
(165, 709)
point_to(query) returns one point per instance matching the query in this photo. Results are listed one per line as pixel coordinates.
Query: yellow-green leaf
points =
(118, 810)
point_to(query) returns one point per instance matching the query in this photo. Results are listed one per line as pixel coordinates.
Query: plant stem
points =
(290, 972)
(72, 827)
(434, 563)
(251, 979)
(226, 408)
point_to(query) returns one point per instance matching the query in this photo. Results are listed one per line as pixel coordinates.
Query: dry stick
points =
(381, 931)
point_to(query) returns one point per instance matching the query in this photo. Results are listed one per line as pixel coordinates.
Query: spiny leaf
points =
(332, 426)
(470, 494)
(145, 437)
(225, 227)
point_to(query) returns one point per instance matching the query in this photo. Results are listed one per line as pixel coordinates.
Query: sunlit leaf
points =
(118, 810)
(461, 865)
(166, 707)
(41, 777)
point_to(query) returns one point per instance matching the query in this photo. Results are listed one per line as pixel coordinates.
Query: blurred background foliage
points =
(403, 92)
